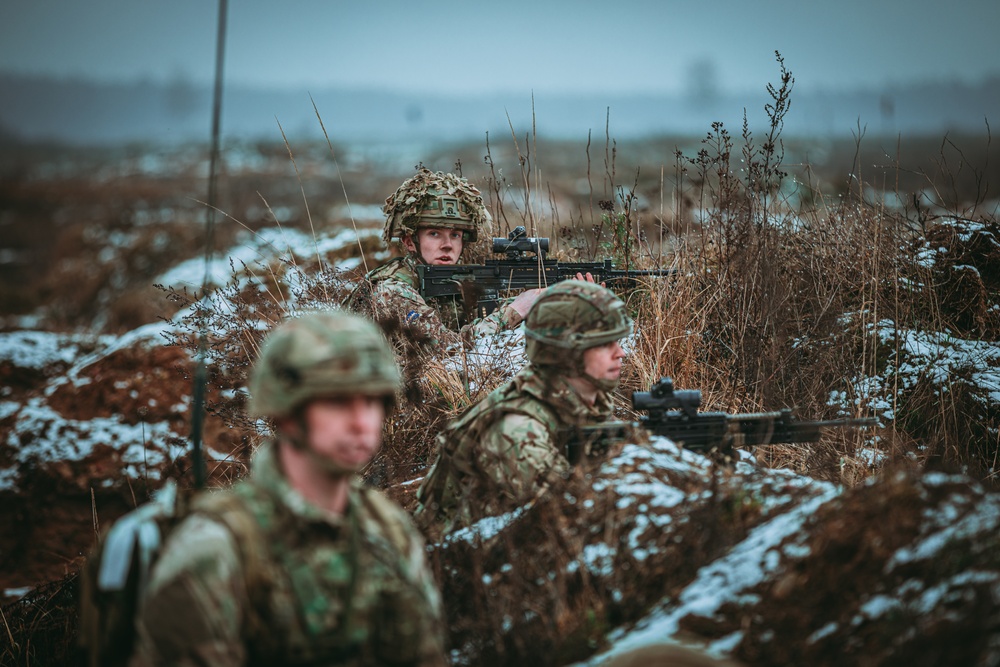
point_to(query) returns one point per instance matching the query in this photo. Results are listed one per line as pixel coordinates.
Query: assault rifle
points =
(524, 266)
(674, 414)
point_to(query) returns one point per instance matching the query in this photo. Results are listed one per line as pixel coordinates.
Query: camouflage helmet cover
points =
(435, 199)
(321, 354)
(572, 316)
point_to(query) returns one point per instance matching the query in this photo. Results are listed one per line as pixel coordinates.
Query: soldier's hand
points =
(588, 278)
(524, 301)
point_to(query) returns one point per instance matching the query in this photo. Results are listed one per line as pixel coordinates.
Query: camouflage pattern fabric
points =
(504, 450)
(570, 317)
(321, 353)
(422, 200)
(340, 590)
(393, 288)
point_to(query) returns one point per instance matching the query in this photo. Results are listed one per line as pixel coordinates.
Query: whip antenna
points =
(200, 375)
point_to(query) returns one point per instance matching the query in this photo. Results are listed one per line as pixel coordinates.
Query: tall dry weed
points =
(782, 295)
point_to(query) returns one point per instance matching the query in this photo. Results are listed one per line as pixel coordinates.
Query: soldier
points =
(335, 573)
(505, 450)
(434, 216)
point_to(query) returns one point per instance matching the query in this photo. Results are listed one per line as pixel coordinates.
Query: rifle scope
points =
(663, 396)
(518, 242)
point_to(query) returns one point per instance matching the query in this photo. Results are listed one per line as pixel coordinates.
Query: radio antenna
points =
(200, 375)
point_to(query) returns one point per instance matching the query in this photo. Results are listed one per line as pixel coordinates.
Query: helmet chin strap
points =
(417, 255)
(580, 370)
(602, 385)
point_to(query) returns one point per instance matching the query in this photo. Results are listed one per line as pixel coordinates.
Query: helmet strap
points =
(298, 437)
(410, 239)
(580, 370)
(602, 385)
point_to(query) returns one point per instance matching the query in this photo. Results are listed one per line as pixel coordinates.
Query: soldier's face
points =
(347, 431)
(604, 362)
(436, 245)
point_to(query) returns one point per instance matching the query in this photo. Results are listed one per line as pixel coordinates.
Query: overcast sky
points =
(517, 46)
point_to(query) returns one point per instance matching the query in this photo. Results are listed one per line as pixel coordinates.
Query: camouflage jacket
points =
(504, 450)
(394, 288)
(328, 590)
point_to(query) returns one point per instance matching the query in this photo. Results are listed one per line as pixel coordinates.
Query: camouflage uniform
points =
(258, 574)
(429, 199)
(394, 288)
(506, 449)
(339, 590)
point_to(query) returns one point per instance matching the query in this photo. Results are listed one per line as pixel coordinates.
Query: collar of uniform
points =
(553, 389)
(266, 473)
(408, 269)
(403, 269)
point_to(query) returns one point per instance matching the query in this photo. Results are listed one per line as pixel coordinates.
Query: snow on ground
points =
(646, 478)
(956, 520)
(724, 580)
(365, 212)
(649, 494)
(38, 350)
(40, 436)
(648, 482)
(914, 355)
(289, 244)
(491, 361)
(965, 231)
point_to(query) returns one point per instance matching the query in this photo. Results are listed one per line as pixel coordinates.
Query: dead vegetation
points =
(788, 294)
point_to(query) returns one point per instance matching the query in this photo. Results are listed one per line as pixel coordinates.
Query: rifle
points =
(674, 414)
(524, 266)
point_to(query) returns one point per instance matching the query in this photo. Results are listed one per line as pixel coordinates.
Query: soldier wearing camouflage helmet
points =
(434, 216)
(344, 579)
(505, 450)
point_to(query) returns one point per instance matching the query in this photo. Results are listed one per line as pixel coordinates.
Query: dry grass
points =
(779, 292)
(775, 304)
(784, 275)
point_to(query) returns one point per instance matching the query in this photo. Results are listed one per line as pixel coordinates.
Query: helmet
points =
(435, 199)
(570, 317)
(321, 354)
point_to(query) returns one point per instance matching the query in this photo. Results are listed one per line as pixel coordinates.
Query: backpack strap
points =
(114, 580)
